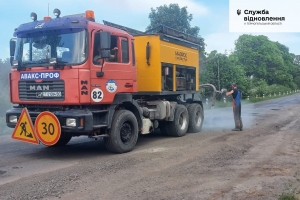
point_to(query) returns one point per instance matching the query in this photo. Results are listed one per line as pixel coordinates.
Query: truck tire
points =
(124, 132)
(196, 118)
(178, 127)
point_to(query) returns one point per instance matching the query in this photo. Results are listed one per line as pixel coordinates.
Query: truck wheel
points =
(196, 118)
(63, 140)
(179, 126)
(124, 132)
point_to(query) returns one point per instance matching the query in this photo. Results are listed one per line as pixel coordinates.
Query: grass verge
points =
(287, 196)
(258, 99)
(221, 104)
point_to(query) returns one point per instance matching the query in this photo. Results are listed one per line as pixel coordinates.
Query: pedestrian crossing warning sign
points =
(24, 129)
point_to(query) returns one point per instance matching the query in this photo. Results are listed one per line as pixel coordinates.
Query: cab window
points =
(119, 50)
(125, 53)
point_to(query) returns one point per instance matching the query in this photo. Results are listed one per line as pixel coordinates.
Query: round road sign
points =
(47, 128)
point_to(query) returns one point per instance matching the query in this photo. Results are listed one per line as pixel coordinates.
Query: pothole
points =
(2, 172)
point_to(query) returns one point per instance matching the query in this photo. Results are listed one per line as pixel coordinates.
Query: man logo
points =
(238, 11)
(39, 87)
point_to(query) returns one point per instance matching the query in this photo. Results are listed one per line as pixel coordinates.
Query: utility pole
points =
(211, 59)
(218, 73)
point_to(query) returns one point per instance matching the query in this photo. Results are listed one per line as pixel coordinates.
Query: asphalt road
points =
(159, 167)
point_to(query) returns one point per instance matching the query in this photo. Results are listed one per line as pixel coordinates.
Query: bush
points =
(293, 86)
(265, 89)
(287, 196)
(278, 88)
(260, 87)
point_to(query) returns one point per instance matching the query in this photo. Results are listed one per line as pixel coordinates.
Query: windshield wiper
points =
(58, 64)
(33, 63)
(21, 66)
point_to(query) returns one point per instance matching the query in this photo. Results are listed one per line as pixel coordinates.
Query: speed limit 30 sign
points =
(47, 128)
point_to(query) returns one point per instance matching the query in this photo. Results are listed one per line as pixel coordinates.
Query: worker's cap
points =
(233, 84)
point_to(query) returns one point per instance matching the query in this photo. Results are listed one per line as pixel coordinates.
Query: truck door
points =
(119, 74)
(127, 56)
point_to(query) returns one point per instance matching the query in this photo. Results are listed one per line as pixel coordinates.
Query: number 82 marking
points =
(97, 95)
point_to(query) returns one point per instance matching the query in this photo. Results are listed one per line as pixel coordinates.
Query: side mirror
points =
(12, 47)
(148, 53)
(105, 38)
(105, 53)
(11, 60)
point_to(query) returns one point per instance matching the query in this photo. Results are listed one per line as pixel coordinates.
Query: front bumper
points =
(79, 114)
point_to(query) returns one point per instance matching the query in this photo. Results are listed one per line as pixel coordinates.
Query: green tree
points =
(174, 17)
(177, 18)
(229, 71)
(291, 65)
(253, 53)
(296, 59)
(294, 69)
(265, 59)
(208, 71)
(4, 84)
(236, 74)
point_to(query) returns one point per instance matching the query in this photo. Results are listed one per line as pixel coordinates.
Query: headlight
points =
(71, 122)
(12, 119)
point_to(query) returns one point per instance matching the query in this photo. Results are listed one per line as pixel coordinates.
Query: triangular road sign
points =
(24, 129)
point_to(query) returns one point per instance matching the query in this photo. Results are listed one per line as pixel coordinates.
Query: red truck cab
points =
(53, 69)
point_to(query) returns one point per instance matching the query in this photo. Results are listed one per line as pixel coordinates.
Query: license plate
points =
(51, 94)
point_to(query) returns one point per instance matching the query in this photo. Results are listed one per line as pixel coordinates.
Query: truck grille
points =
(46, 90)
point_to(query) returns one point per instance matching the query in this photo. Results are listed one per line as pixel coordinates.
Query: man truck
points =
(60, 90)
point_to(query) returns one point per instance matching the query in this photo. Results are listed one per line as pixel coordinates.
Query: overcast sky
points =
(210, 15)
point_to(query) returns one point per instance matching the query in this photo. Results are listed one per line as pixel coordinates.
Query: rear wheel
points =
(124, 132)
(178, 127)
(196, 118)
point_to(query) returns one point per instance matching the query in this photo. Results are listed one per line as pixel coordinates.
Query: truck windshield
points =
(64, 45)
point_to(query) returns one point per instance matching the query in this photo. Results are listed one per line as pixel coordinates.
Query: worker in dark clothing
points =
(236, 105)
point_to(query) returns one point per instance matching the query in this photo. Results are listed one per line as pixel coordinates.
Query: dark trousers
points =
(237, 115)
